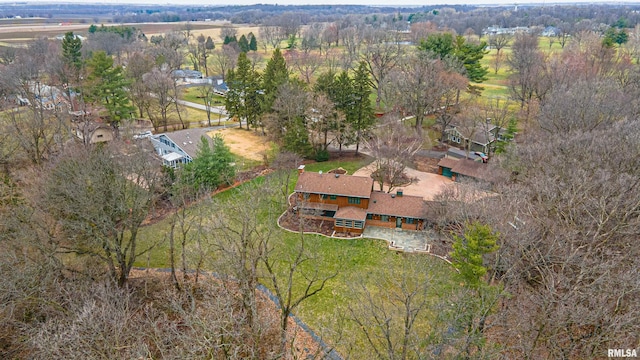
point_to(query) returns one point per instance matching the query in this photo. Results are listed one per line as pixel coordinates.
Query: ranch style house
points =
(352, 204)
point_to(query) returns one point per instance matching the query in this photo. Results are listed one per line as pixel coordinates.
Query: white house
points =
(178, 147)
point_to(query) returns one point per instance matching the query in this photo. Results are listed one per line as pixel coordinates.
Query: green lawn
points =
(193, 94)
(197, 118)
(352, 259)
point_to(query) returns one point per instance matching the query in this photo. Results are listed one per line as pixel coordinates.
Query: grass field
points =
(354, 260)
(192, 94)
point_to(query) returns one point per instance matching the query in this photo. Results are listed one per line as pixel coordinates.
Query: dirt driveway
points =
(425, 184)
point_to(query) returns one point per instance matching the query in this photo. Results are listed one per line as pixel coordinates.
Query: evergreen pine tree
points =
(296, 138)
(209, 44)
(253, 42)
(362, 117)
(212, 167)
(469, 55)
(243, 99)
(469, 250)
(243, 43)
(327, 85)
(71, 51)
(275, 74)
(108, 86)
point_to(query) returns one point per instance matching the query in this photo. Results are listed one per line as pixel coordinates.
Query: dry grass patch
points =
(247, 144)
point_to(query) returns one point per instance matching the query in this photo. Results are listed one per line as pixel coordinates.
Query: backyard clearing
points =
(245, 143)
(426, 185)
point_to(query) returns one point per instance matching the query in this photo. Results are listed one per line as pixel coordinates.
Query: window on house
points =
(333, 197)
(354, 200)
(384, 217)
(339, 222)
(369, 216)
(348, 223)
(305, 196)
(410, 221)
(324, 196)
(358, 224)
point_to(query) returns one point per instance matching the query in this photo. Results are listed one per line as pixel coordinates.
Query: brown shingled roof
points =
(382, 203)
(469, 168)
(351, 213)
(448, 162)
(344, 185)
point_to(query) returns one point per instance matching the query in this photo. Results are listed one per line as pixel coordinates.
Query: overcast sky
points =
(330, 2)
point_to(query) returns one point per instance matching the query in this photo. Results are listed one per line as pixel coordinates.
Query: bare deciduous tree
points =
(351, 41)
(169, 50)
(312, 38)
(296, 276)
(422, 85)
(100, 199)
(289, 23)
(499, 42)
(527, 64)
(270, 35)
(163, 101)
(306, 63)
(388, 313)
(393, 147)
(138, 65)
(422, 30)
(291, 103)
(241, 237)
(583, 105)
(207, 93)
(38, 126)
(321, 116)
(228, 31)
(224, 59)
(330, 34)
(381, 54)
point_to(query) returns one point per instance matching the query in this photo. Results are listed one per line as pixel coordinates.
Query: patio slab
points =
(401, 240)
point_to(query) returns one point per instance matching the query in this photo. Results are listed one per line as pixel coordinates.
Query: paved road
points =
(214, 109)
(431, 154)
(218, 110)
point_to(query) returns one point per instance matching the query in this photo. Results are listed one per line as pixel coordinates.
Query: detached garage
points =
(457, 170)
(445, 167)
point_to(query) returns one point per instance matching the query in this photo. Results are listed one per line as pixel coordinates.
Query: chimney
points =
(399, 192)
(300, 169)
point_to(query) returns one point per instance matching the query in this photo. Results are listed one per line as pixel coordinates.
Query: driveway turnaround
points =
(426, 185)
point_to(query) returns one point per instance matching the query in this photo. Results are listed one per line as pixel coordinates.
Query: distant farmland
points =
(26, 32)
